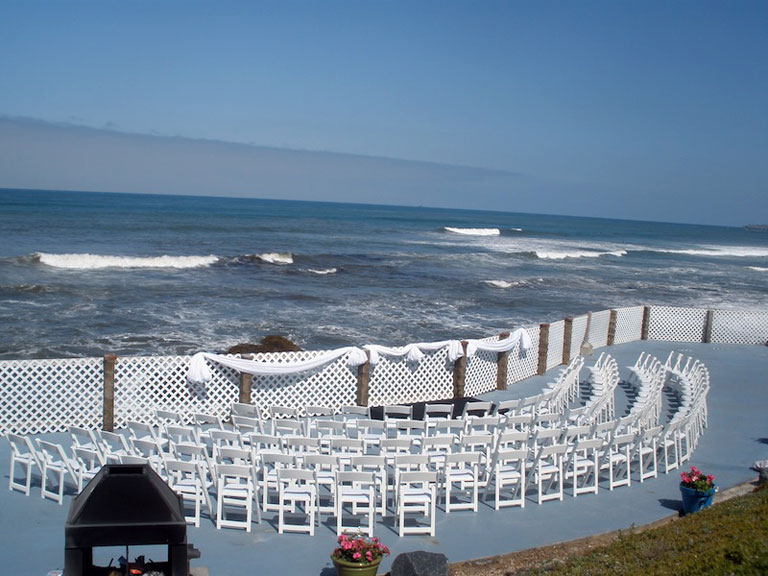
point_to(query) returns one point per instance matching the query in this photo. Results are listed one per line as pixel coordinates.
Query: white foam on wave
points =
(735, 251)
(758, 268)
(562, 255)
(323, 272)
(276, 257)
(474, 231)
(500, 283)
(98, 261)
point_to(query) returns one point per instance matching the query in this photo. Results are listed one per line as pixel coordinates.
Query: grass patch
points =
(729, 538)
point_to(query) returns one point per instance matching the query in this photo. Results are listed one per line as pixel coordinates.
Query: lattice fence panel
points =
(38, 396)
(333, 385)
(481, 373)
(598, 330)
(629, 324)
(739, 327)
(578, 332)
(677, 324)
(397, 381)
(520, 367)
(144, 384)
(555, 351)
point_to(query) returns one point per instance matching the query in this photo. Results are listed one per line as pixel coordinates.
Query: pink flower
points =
(710, 478)
(357, 555)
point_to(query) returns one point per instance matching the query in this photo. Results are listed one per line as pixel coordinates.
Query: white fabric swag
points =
(199, 372)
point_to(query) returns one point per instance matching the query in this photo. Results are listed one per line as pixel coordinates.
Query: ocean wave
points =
(98, 261)
(717, 251)
(275, 257)
(758, 268)
(473, 231)
(323, 271)
(562, 255)
(500, 283)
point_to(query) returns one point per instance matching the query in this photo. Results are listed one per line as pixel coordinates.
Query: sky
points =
(630, 109)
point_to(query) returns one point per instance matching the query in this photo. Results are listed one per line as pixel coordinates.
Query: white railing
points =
(50, 395)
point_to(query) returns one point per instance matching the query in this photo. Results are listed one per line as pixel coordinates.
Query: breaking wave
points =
(474, 231)
(735, 251)
(324, 271)
(562, 255)
(275, 257)
(98, 261)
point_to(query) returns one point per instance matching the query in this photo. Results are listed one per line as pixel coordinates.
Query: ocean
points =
(86, 274)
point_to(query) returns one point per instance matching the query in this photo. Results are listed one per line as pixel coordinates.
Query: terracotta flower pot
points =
(347, 568)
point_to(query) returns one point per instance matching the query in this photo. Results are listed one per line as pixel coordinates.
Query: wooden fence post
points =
(567, 338)
(646, 321)
(612, 327)
(708, 327)
(502, 362)
(108, 421)
(460, 373)
(363, 380)
(543, 348)
(246, 386)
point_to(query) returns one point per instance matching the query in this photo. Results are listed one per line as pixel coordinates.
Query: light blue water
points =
(89, 274)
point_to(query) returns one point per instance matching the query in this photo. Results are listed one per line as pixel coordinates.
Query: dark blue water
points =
(88, 274)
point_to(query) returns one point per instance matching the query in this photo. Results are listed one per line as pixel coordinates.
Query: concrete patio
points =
(33, 529)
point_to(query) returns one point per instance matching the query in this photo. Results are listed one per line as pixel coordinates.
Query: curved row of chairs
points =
(351, 466)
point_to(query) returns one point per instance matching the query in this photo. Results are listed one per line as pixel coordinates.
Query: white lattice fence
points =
(578, 332)
(598, 330)
(555, 350)
(629, 324)
(677, 324)
(739, 327)
(144, 384)
(481, 372)
(520, 367)
(38, 396)
(397, 381)
(334, 385)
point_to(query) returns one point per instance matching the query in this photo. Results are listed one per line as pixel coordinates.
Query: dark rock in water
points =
(420, 563)
(268, 344)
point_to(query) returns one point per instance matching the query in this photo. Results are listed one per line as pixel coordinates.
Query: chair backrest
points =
(176, 433)
(302, 444)
(234, 472)
(242, 409)
(368, 462)
(207, 420)
(411, 461)
(165, 417)
(505, 456)
(355, 478)
(288, 426)
(283, 412)
(321, 462)
(225, 438)
(512, 439)
(113, 443)
(247, 423)
(22, 446)
(180, 469)
(398, 411)
(314, 411)
(140, 429)
(355, 411)
(395, 445)
(233, 455)
(295, 476)
(477, 408)
(347, 445)
(438, 411)
(418, 477)
(462, 460)
(508, 406)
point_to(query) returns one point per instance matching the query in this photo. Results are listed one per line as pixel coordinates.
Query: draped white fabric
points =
(199, 372)
(415, 352)
(520, 335)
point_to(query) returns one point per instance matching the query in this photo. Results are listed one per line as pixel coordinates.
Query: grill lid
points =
(125, 504)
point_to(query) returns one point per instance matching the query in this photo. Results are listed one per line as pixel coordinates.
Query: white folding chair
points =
(271, 463)
(646, 447)
(359, 490)
(234, 495)
(23, 454)
(378, 466)
(618, 459)
(57, 466)
(395, 411)
(416, 494)
(477, 408)
(188, 480)
(87, 465)
(583, 466)
(113, 445)
(508, 472)
(324, 467)
(549, 472)
(296, 486)
(84, 438)
(461, 470)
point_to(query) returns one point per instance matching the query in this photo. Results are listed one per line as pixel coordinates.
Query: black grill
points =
(125, 505)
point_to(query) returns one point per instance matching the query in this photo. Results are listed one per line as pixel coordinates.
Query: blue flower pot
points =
(693, 500)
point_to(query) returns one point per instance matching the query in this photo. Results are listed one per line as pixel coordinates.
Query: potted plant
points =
(697, 490)
(358, 555)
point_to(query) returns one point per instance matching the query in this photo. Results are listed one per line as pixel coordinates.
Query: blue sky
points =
(612, 108)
